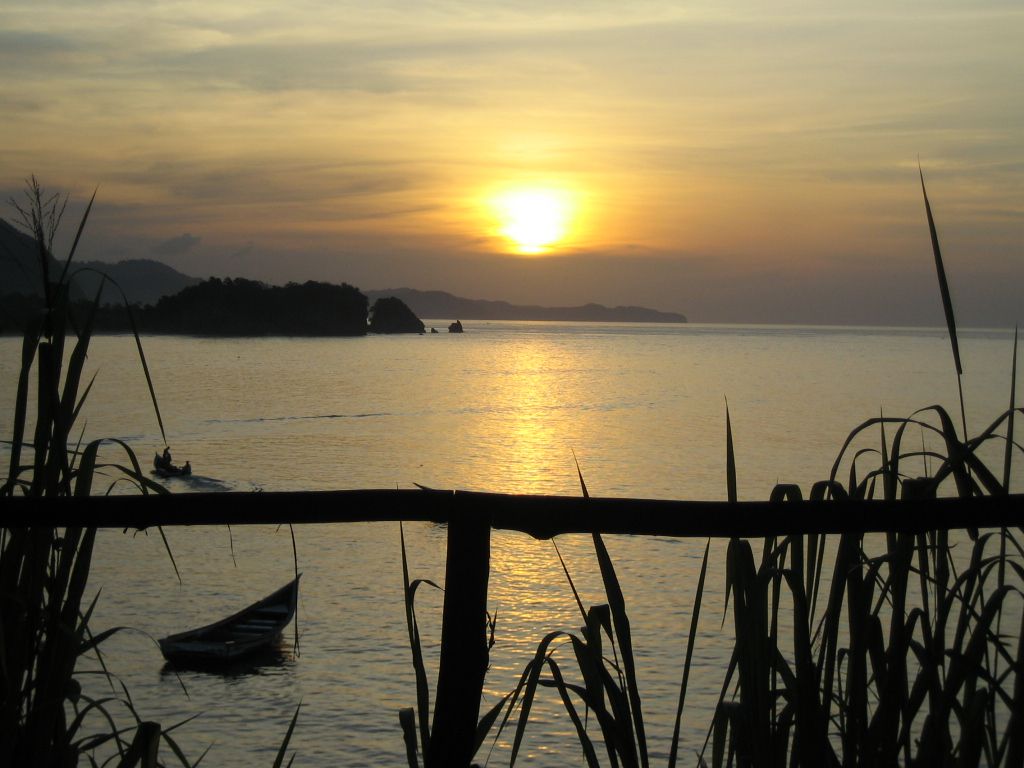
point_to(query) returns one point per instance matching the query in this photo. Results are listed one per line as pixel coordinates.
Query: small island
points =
(391, 315)
(237, 307)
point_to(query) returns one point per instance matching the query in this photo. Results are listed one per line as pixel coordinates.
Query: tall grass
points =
(851, 651)
(906, 663)
(604, 681)
(45, 715)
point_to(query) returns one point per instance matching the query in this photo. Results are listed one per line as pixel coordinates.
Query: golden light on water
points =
(534, 219)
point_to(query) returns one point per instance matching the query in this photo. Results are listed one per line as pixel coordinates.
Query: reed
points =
(903, 665)
(44, 571)
(857, 651)
(606, 686)
(46, 717)
(947, 301)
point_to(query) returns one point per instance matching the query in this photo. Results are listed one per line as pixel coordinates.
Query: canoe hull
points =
(250, 631)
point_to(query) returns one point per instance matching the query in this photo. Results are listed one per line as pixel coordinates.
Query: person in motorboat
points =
(166, 458)
(187, 469)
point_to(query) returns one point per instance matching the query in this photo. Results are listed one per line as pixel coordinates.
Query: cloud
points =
(782, 139)
(176, 245)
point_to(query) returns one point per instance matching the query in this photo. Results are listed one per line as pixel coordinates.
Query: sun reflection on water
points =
(500, 408)
(526, 427)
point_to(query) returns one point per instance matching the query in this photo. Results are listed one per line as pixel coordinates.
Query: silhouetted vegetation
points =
(855, 650)
(44, 570)
(16, 309)
(237, 307)
(47, 717)
(234, 307)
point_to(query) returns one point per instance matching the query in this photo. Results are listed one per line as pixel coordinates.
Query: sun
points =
(533, 220)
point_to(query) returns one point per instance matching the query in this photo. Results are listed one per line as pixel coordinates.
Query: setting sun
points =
(533, 220)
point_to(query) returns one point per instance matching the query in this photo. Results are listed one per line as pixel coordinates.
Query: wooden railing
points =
(471, 517)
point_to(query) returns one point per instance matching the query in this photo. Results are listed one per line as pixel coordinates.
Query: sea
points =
(506, 407)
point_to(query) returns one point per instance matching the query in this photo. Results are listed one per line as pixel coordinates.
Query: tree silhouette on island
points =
(238, 307)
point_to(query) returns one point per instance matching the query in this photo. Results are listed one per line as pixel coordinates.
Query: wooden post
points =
(463, 641)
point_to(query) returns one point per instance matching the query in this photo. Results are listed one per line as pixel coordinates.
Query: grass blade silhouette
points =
(947, 302)
(620, 619)
(279, 760)
(422, 687)
(1007, 456)
(78, 236)
(730, 457)
(689, 656)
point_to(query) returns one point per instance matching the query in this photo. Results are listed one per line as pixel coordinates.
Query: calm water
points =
(501, 408)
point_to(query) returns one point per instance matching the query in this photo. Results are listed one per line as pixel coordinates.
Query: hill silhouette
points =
(439, 305)
(20, 268)
(144, 281)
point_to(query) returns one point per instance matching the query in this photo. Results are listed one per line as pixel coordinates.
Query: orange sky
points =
(719, 159)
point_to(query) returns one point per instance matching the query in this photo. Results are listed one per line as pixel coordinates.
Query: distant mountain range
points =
(439, 305)
(20, 269)
(145, 281)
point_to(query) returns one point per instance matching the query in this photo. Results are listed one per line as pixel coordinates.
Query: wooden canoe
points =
(247, 632)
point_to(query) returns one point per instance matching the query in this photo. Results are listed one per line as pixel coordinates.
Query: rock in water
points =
(391, 315)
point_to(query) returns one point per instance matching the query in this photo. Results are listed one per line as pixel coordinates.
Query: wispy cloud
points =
(747, 132)
(176, 246)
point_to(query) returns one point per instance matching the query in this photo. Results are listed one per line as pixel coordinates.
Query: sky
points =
(734, 161)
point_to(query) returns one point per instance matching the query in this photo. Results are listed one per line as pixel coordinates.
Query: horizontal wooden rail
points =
(463, 661)
(539, 516)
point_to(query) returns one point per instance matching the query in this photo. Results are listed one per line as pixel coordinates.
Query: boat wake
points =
(197, 483)
(309, 417)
